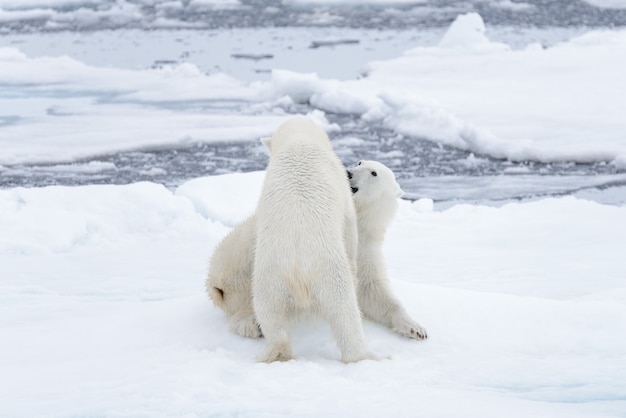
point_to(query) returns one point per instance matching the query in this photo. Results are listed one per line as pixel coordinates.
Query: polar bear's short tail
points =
(216, 294)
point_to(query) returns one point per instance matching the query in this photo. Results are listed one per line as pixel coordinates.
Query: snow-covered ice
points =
(102, 306)
(103, 311)
(609, 4)
(560, 103)
(563, 103)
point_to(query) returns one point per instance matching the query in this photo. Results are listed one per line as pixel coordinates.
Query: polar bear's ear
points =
(267, 141)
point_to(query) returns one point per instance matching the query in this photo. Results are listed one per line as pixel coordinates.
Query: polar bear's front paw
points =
(409, 328)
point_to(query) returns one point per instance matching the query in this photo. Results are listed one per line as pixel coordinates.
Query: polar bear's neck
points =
(374, 217)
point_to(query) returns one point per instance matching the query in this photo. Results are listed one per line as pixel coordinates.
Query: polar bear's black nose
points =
(349, 174)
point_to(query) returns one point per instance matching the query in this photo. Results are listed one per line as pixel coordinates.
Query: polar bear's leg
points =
(337, 303)
(403, 324)
(278, 347)
(272, 316)
(245, 324)
(378, 304)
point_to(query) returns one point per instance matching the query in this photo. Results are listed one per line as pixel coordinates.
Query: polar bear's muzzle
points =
(354, 189)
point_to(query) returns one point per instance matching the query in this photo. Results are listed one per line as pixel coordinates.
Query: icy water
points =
(423, 168)
(273, 13)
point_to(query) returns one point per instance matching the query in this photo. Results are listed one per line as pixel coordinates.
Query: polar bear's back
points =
(302, 214)
(305, 199)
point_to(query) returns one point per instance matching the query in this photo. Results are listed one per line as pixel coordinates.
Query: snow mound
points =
(468, 31)
(220, 198)
(541, 104)
(60, 219)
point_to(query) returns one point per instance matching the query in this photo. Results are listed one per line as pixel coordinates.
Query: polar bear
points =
(375, 195)
(230, 275)
(375, 198)
(306, 243)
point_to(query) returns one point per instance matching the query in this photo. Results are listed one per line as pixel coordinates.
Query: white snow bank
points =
(103, 311)
(184, 81)
(513, 5)
(559, 268)
(468, 32)
(58, 219)
(356, 2)
(90, 167)
(608, 4)
(106, 128)
(8, 16)
(554, 104)
(228, 204)
(73, 110)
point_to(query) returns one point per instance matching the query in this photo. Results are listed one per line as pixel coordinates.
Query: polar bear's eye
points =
(374, 173)
(359, 162)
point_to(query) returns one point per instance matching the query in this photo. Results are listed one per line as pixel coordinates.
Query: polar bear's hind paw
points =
(275, 354)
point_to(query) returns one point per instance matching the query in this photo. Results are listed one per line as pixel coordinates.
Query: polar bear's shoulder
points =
(233, 256)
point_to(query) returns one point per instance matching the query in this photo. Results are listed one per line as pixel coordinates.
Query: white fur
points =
(376, 202)
(375, 197)
(306, 243)
(229, 280)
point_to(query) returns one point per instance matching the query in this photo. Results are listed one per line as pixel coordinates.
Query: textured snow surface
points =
(103, 311)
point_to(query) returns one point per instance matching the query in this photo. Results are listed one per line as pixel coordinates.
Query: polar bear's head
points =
(375, 194)
(372, 181)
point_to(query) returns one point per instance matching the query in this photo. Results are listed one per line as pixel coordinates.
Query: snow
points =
(108, 109)
(513, 5)
(608, 4)
(356, 2)
(99, 108)
(90, 167)
(467, 32)
(554, 104)
(543, 104)
(103, 311)
(102, 306)
(7, 16)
